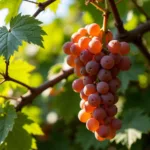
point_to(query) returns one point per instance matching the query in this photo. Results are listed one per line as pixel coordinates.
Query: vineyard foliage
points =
(34, 51)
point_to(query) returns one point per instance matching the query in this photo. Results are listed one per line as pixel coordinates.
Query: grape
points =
(112, 110)
(114, 84)
(93, 29)
(103, 131)
(107, 62)
(88, 80)
(82, 102)
(114, 71)
(84, 42)
(124, 64)
(98, 57)
(82, 31)
(77, 85)
(66, 47)
(88, 108)
(75, 49)
(70, 60)
(104, 75)
(89, 89)
(95, 46)
(78, 62)
(83, 115)
(116, 57)
(98, 137)
(94, 100)
(92, 124)
(85, 56)
(99, 114)
(102, 87)
(92, 67)
(114, 46)
(107, 99)
(116, 124)
(83, 71)
(125, 48)
(83, 96)
(75, 37)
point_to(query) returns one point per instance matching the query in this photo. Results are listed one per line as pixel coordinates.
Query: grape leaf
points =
(22, 28)
(7, 117)
(20, 137)
(13, 7)
(135, 122)
(87, 139)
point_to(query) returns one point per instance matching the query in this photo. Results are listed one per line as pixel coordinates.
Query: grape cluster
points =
(97, 59)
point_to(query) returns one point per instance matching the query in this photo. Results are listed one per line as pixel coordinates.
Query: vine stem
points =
(29, 97)
(118, 21)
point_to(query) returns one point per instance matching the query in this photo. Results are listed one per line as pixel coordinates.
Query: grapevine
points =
(97, 60)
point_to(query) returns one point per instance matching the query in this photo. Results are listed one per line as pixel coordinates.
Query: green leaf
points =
(135, 122)
(87, 139)
(13, 7)
(22, 28)
(7, 117)
(20, 137)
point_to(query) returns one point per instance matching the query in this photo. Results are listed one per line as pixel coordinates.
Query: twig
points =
(42, 6)
(31, 2)
(29, 97)
(141, 9)
(118, 21)
(19, 82)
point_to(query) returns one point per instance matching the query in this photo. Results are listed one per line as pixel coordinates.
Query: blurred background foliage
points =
(56, 109)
